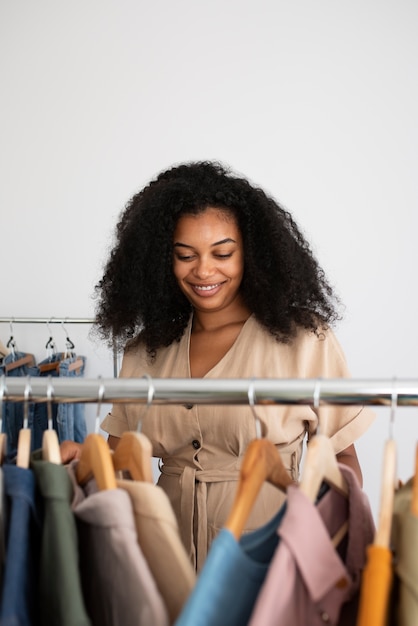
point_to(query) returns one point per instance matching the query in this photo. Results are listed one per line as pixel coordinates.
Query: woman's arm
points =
(349, 457)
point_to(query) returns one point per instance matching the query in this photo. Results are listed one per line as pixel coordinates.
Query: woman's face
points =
(208, 259)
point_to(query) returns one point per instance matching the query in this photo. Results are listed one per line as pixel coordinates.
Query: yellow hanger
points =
(262, 463)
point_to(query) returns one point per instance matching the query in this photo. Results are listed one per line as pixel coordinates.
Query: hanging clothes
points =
(61, 597)
(20, 595)
(15, 364)
(376, 585)
(117, 584)
(232, 576)
(159, 538)
(405, 546)
(317, 582)
(71, 419)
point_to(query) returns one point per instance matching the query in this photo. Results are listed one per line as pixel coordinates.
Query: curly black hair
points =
(138, 296)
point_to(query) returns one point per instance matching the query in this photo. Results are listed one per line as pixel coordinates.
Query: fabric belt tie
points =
(193, 484)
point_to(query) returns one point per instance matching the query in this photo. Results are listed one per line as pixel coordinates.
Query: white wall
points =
(315, 101)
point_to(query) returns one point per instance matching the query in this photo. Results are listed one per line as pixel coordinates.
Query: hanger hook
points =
(100, 397)
(27, 394)
(50, 343)
(251, 402)
(11, 343)
(317, 401)
(69, 344)
(49, 396)
(150, 399)
(393, 406)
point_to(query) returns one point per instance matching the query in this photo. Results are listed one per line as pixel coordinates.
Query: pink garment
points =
(310, 582)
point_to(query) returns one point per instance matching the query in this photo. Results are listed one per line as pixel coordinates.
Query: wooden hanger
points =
(28, 360)
(23, 448)
(414, 502)
(321, 465)
(3, 447)
(96, 461)
(262, 463)
(133, 454)
(24, 439)
(387, 495)
(50, 444)
(51, 447)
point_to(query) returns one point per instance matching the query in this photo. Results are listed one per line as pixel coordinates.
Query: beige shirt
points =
(202, 446)
(159, 538)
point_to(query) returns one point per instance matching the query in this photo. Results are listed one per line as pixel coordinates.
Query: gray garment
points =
(118, 587)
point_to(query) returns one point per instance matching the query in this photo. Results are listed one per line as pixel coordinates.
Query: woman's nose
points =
(204, 268)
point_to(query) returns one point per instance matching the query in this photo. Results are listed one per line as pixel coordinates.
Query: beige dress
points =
(202, 446)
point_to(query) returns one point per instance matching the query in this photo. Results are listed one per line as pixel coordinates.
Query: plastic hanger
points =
(388, 483)
(262, 463)
(320, 463)
(24, 439)
(50, 444)
(134, 450)
(3, 436)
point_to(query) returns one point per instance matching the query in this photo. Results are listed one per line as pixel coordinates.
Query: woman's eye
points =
(224, 256)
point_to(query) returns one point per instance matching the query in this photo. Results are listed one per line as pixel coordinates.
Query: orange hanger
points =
(262, 463)
(96, 461)
(133, 454)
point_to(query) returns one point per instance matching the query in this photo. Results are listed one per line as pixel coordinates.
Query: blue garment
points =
(231, 578)
(13, 412)
(71, 420)
(19, 593)
(38, 421)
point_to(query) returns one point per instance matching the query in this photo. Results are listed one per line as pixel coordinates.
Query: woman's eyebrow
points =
(178, 244)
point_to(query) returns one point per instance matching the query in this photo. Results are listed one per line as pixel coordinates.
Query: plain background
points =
(315, 101)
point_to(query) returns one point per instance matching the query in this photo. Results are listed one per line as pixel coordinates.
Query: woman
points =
(210, 277)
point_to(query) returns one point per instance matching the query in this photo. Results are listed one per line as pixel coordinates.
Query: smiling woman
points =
(210, 277)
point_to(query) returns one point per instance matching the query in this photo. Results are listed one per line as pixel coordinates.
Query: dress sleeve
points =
(125, 417)
(343, 424)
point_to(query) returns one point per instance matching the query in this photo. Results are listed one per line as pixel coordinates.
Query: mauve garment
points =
(118, 587)
(202, 446)
(159, 538)
(308, 582)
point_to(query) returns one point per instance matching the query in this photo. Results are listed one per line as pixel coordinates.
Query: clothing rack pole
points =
(59, 320)
(338, 391)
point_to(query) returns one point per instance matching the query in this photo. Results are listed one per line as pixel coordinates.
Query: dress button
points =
(196, 444)
(189, 406)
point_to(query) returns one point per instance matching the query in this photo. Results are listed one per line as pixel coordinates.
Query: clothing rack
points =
(58, 320)
(338, 391)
